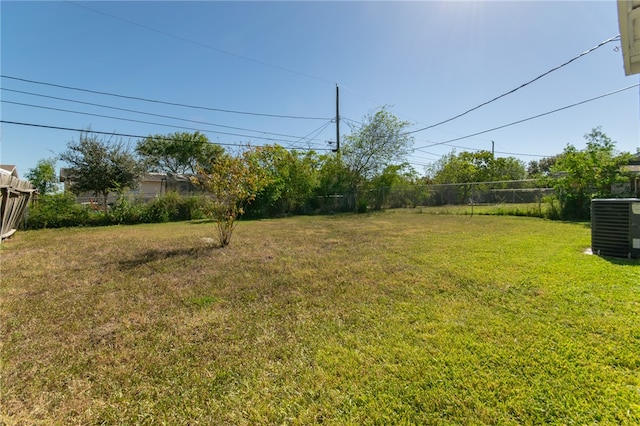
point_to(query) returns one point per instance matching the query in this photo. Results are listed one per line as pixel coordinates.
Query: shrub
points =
(63, 210)
(126, 211)
(173, 207)
(57, 211)
(362, 206)
(162, 209)
(196, 207)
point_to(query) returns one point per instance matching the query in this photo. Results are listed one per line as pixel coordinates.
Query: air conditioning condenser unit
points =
(615, 227)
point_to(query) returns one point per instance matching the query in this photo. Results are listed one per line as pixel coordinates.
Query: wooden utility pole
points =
(337, 120)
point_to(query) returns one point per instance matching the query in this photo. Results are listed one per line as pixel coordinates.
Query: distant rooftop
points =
(9, 169)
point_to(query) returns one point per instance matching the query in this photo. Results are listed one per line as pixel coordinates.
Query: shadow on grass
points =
(620, 260)
(200, 221)
(153, 255)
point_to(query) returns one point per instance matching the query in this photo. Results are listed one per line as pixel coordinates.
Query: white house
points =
(150, 186)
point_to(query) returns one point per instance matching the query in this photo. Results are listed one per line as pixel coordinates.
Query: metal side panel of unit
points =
(634, 229)
(612, 227)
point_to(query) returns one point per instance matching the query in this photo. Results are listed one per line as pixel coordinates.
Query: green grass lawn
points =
(389, 318)
(497, 209)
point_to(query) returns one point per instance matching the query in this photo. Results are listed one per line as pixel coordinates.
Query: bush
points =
(63, 210)
(362, 206)
(162, 209)
(554, 211)
(57, 211)
(197, 207)
(173, 207)
(126, 211)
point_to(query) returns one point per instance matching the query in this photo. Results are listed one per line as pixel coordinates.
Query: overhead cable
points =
(531, 118)
(615, 38)
(44, 126)
(131, 120)
(497, 152)
(97, 92)
(308, 136)
(143, 113)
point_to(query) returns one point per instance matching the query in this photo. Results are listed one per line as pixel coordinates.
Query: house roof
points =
(146, 177)
(9, 169)
(152, 176)
(634, 165)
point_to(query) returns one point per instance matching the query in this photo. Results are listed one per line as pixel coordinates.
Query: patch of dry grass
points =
(372, 319)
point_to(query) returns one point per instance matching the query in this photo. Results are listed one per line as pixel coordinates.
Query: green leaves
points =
(43, 176)
(291, 178)
(177, 153)
(378, 143)
(233, 183)
(480, 166)
(586, 174)
(100, 166)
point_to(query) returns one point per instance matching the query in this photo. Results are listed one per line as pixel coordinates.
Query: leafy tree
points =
(233, 183)
(335, 183)
(452, 168)
(507, 168)
(393, 180)
(177, 153)
(479, 166)
(334, 176)
(43, 176)
(100, 166)
(473, 167)
(581, 175)
(381, 141)
(292, 178)
(542, 167)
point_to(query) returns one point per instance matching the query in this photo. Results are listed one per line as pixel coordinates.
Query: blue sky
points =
(427, 61)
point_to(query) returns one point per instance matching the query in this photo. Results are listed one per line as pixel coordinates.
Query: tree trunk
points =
(105, 196)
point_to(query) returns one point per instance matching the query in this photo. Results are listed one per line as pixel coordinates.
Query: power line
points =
(531, 118)
(44, 126)
(502, 152)
(139, 112)
(97, 92)
(206, 46)
(139, 121)
(521, 86)
(350, 120)
(314, 132)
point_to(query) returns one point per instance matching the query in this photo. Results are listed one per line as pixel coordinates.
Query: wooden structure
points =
(14, 198)
(629, 22)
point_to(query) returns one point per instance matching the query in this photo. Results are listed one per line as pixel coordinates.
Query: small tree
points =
(394, 178)
(580, 175)
(43, 176)
(100, 166)
(233, 183)
(381, 141)
(541, 168)
(466, 169)
(292, 177)
(177, 153)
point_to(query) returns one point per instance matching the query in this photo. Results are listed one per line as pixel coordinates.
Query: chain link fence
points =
(457, 194)
(471, 193)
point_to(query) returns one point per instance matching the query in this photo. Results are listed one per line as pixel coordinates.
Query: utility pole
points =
(492, 149)
(337, 120)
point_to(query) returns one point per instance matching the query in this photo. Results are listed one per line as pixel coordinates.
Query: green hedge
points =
(63, 210)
